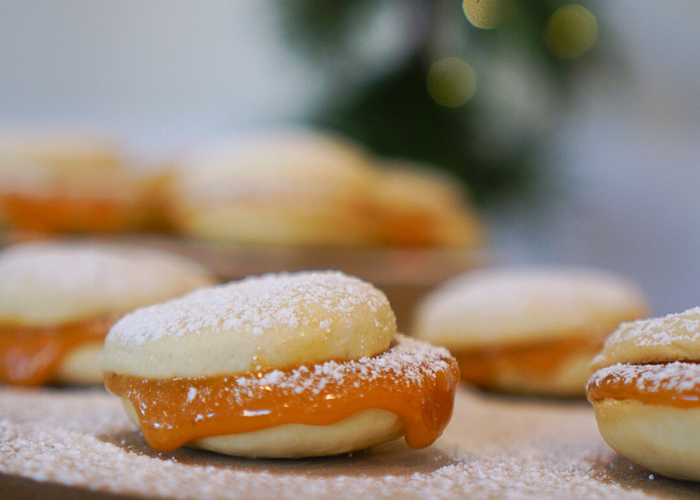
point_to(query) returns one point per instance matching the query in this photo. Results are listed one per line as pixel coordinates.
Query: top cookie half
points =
(272, 321)
(502, 306)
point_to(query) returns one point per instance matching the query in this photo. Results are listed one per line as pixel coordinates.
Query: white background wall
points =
(156, 71)
(165, 72)
(630, 163)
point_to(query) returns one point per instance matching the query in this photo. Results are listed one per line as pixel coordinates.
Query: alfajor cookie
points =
(58, 300)
(417, 205)
(290, 187)
(57, 183)
(527, 330)
(282, 365)
(646, 393)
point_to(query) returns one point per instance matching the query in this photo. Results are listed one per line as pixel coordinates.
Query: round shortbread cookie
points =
(80, 366)
(565, 380)
(418, 206)
(295, 187)
(360, 430)
(68, 183)
(507, 306)
(278, 225)
(675, 337)
(278, 157)
(662, 438)
(51, 283)
(61, 152)
(272, 321)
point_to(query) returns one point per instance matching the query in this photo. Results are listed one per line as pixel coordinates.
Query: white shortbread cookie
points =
(61, 152)
(49, 284)
(272, 321)
(360, 430)
(286, 187)
(675, 337)
(269, 224)
(80, 366)
(416, 205)
(509, 306)
(283, 159)
(566, 380)
(662, 438)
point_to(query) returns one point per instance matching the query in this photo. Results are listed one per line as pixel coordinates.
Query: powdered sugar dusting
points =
(255, 305)
(664, 330)
(409, 361)
(511, 449)
(510, 303)
(55, 281)
(667, 338)
(671, 377)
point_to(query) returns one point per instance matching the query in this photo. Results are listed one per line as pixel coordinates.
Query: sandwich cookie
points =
(58, 300)
(646, 393)
(291, 187)
(283, 365)
(528, 330)
(58, 183)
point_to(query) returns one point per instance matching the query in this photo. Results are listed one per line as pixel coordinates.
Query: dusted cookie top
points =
(675, 337)
(45, 284)
(281, 163)
(271, 321)
(511, 305)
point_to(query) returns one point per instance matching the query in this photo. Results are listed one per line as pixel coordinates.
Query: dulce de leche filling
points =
(415, 381)
(61, 213)
(483, 366)
(30, 355)
(674, 384)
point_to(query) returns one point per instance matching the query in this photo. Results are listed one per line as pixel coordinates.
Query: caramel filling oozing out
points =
(30, 355)
(650, 384)
(59, 214)
(539, 360)
(173, 412)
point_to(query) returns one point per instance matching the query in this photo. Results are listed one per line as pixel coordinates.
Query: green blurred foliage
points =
(491, 142)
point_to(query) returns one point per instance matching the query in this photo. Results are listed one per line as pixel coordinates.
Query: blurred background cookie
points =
(419, 206)
(59, 183)
(58, 300)
(292, 187)
(527, 330)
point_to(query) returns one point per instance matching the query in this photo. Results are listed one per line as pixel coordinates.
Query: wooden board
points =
(68, 443)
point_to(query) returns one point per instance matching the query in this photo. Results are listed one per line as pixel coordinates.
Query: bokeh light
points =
(571, 31)
(485, 14)
(451, 82)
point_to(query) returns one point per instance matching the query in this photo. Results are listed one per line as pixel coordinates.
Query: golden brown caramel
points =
(63, 214)
(30, 355)
(173, 412)
(640, 386)
(541, 360)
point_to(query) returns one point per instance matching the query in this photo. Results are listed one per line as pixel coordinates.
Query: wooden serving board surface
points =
(69, 444)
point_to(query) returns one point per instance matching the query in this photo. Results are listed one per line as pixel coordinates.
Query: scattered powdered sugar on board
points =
(254, 304)
(495, 447)
(676, 376)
